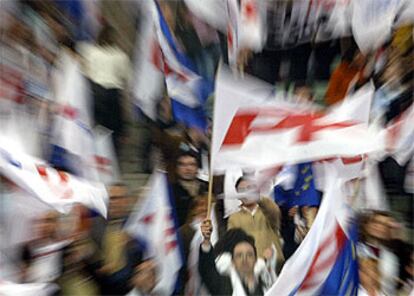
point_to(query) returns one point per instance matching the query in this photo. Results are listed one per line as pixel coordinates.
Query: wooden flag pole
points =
(210, 192)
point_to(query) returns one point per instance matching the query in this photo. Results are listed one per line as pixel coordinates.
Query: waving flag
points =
(40, 289)
(252, 133)
(73, 146)
(105, 157)
(400, 136)
(163, 61)
(153, 224)
(148, 84)
(55, 188)
(325, 263)
(372, 22)
(245, 28)
(303, 192)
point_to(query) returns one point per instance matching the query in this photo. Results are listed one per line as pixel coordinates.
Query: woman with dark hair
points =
(108, 68)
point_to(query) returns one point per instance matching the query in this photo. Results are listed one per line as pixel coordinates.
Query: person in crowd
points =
(42, 257)
(108, 68)
(145, 279)
(348, 71)
(188, 186)
(258, 217)
(115, 254)
(239, 273)
(376, 243)
(369, 276)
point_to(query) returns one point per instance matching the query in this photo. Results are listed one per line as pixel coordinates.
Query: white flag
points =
(105, 157)
(372, 22)
(307, 271)
(55, 188)
(252, 133)
(13, 289)
(148, 83)
(71, 131)
(400, 136)
(246, 27)
(153, 224)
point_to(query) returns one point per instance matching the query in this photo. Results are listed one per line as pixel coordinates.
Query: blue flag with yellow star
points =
(303, 192)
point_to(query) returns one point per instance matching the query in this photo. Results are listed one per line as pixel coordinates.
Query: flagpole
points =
(210, 192)
(210, 176)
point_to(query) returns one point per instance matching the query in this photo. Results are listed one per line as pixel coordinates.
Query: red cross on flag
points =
(253, 130)
(153, 223)
(57, 189)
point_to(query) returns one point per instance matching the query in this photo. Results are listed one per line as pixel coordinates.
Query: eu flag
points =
(303, 192)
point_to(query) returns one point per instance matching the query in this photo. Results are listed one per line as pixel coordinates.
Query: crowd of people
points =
(48, 60)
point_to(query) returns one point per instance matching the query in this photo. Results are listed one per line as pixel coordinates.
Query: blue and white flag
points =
(187, 89)
(73, 146)
(153, 224)
(160, 61)
(325, 263)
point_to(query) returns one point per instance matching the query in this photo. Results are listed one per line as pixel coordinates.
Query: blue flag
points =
(343, 278)
(303, 192)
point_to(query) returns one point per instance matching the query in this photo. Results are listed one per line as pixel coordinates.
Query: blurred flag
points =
(245, 28)
(55, 188)
(153, 223)
(303, 192)
(372, 22)
(399, 135)
(105, 157)
(39, 289)
(325, 263)
(257, 134)
(213, 12)
(73, 145)
(162, 61)
(147, 86)
(187, 89)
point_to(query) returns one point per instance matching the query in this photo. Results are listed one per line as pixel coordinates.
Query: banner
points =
(251, 132)
(58, 189)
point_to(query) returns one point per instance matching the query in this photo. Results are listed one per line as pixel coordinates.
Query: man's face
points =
(118, 202)
(187, 168)
(248, 191)
(244, 258)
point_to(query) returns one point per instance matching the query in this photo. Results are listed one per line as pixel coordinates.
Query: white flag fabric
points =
(372, 22)
(399, 135)
(153, 224)
(39, 289)
(55, 188)
(246, 27)
(71, 130)
(250, 132)
(307, 270)
(213, 12)
(105, 157)
(148, 83)
(372, 193)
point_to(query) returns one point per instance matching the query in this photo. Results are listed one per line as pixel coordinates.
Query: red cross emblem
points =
(241, 126)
